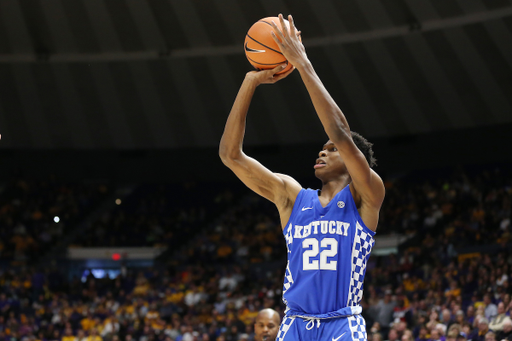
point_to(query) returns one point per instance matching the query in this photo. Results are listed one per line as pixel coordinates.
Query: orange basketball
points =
(260, 48)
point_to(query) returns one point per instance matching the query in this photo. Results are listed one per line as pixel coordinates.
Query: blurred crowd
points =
(34, 214)
(448, 281)
(152, 215)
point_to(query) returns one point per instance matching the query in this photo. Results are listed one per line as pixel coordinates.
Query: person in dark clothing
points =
(506, 333)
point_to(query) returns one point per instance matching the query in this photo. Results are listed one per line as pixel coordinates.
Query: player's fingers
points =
(276, 39)
(277, 32)
(278, 68)
(284, 75)
(293, 29)
(283, 26)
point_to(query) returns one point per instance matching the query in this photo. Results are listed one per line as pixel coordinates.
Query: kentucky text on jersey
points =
(323, 227)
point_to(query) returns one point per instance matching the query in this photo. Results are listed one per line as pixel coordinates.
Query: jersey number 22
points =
(330, 249)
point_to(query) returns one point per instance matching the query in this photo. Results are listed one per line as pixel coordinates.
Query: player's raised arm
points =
(279, 189)
(368, 186)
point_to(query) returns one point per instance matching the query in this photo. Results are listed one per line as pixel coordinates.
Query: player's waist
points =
(343, 312)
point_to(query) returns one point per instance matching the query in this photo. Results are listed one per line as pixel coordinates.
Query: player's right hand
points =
(268, 76)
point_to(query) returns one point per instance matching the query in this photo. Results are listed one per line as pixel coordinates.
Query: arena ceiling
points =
(124, 74)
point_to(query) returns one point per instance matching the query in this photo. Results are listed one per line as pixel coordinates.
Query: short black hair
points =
(365, 147)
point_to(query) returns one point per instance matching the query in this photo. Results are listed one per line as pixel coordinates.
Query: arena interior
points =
(119, 222)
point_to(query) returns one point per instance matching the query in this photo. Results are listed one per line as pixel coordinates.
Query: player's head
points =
(330, 162)
(266, 325)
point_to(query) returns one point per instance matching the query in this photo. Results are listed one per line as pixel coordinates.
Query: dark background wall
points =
(397, 155)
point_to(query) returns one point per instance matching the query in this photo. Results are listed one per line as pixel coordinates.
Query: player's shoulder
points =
(291, 188)
(289, 182)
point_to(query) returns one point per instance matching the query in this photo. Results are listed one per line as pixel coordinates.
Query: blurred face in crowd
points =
(387, 298)
(506, 298)
(454, 328)
(423, 333)
(401, 326)
(392, 335)
(435, 335)
(507, 326)
(459, 316)
(490, 336)
(376, 337)
(482, 326)
(446, 315)
(406, 337)
(266, 325)
(501, 308)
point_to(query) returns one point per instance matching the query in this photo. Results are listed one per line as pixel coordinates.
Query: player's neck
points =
(332, 187)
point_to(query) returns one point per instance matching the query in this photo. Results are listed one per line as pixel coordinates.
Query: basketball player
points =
(266, 325)
(328, 232)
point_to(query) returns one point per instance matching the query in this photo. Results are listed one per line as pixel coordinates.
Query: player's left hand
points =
(268, 76)
(289, 42)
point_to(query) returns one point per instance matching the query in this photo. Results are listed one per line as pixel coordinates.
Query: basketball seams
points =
(273, 64)
(266, 22)
(268, 47)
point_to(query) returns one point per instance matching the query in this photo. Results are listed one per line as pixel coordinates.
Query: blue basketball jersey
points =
(328, 248)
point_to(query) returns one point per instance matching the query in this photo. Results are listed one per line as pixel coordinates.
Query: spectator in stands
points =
(446, 318)
(228, 282)
(68, 335)
(459, 317)
(470, 314)
(392, 335)
(496, 324)
(480, 331)
(376, 337)
(454, 291)
(490, 336)
(435, 335)
(422, 334)
(80, 335)
(456, 328)
(407, 336)
(433, 321)
(491, 310)
(466, 329)
(506, 333)
(451, 335)
(384, 311)
(375, 329)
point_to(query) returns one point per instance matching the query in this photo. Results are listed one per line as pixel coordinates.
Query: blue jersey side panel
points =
(328, 248)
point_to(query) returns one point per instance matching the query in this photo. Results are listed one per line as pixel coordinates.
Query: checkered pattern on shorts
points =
(285, 325)
(357, 327)
(363, 243)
